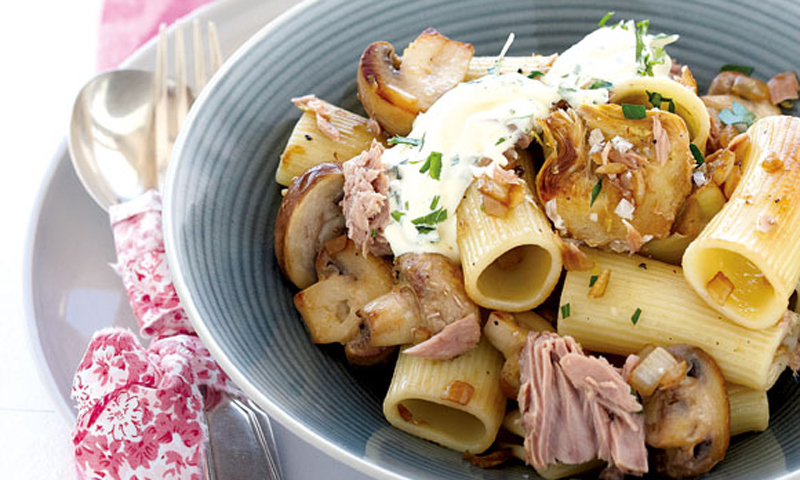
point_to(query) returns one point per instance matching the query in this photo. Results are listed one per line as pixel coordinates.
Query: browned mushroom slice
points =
(736, 83)
(361, 352)
(688, 423)
(348, 280)
(394, 90)
(392, 318)
(309, 216)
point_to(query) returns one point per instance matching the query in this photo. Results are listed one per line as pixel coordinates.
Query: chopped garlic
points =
(625, 209)
(620, 144)
(699, 178)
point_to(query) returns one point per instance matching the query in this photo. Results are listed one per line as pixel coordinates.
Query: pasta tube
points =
(649, 302)
(456, 403)
(749, 409)
(510, 263)
(746, 262)
(687, 104)
(308, 146)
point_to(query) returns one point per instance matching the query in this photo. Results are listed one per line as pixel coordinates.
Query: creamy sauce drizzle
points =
(479, 120)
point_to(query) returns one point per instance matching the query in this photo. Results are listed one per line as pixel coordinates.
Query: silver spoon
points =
(111, 143)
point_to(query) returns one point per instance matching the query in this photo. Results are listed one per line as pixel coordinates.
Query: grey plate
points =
(222, 198)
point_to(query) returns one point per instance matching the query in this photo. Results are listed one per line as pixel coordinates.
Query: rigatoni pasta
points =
(510, 263)
(456, 403)
(649, 302)
(746, 262)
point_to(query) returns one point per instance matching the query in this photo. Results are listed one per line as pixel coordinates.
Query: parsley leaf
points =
(699, 159)
(606, 17)
(738, 114)
(636, 315)
(534, 74)
(656, 99)
(427, 223)
(565, 313)
(641, 33)
(737, 68)
(601, 84)
(596, 191)
(434, 202)
(397, 215)
(434, 164)
(592, 280)
(374, 233)
(397, 139)
(634, 112)
(499, 141)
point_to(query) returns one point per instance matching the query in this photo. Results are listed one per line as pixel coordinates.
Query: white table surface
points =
(48, 52)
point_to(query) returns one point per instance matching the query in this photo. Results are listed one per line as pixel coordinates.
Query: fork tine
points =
(160, 118)
(214, 46)
(199, 58)
(181, 94)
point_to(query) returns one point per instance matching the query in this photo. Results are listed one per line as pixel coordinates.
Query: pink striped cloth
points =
(127, 24)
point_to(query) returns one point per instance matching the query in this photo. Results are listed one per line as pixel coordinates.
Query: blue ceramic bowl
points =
(221, 201)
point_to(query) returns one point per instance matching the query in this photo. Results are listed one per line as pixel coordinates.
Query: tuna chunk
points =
(322, 111)
(459, 337)
(576, 408)
(365, 204)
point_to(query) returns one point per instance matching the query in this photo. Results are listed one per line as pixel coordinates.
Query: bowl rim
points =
(338, 452)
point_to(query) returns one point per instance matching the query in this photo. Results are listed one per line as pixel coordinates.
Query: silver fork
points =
(240, 441)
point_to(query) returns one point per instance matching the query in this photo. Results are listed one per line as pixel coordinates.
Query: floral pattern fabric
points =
(140, 410)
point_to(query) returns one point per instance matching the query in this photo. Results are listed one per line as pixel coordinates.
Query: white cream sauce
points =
(480, 120)
(474, 121)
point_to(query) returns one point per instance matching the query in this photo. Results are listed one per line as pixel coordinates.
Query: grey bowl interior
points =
(221, 202)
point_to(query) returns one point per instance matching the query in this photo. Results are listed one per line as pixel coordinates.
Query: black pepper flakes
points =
(308, 137)
(643, 266)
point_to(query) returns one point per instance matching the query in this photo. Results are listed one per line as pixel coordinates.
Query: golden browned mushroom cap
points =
(348, 280)
(309, 216)
(394, 90)
(739, 84)
(689, 423)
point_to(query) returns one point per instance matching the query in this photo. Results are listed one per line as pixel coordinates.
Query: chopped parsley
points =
(738, 114)
(397, 215)
(641, 33)
(596, 191)
(565, 313)
(592, 280)
(606, 17)
(434, 202)
(373, 233)
(433, 164)
(634, 112)
(601, 84)
(499, 141)
(427, 223)
(636, 315)
(656, 99)
(534, 74)
(737, 68)
(699, 159)
(397, 139)
(648, 56)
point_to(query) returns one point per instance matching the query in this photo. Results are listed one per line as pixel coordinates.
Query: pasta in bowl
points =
(505, 199)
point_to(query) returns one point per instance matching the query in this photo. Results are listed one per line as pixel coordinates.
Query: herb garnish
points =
(434, 202)
(534, 74)
(648, 56)
(656, 99)
(601, 84)
(606, 17)
(635, 316)
(434, 164)
(397, 139)
(397, 215)
(565, 313)
(374, 233)
(592, 280)
(427, 223)
(634, 112)
(737, 68)
(699, 159)
(499, 141)
(737, 114)
(596, 191)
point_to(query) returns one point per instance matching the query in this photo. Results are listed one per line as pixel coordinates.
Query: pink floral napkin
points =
(140, 410)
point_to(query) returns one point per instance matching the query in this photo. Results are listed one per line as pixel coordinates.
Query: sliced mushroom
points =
(361, 352)
(309, 216)
(688, 423)
(392, 318)
(736, 83)
(394, 90)
(347, 281)
(439, 287)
